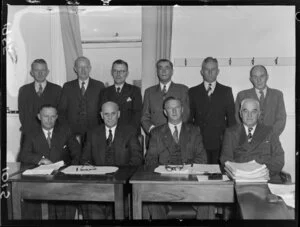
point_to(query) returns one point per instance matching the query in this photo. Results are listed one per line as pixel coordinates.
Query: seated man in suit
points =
(110, 144)
(175, 142)
(50, 143)
(253, 140)
(272, 108)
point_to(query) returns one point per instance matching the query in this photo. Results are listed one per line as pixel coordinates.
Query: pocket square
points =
(128, 99)
(267, 141)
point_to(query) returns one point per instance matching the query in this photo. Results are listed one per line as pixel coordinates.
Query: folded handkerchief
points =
(128, 99)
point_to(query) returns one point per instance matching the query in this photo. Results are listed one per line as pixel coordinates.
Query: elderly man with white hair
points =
(253, 140)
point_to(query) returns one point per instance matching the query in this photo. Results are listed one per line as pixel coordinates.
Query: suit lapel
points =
(101, 138)
(184, 138)
(44, 144)
(168, 138)
(258, 136)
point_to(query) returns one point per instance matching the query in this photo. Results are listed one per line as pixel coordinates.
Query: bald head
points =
(110, 114)
(259, 77)
(250, 112)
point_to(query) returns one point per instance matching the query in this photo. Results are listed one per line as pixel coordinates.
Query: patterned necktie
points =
(118, 90)
(109, 139)
(164, 90)
(209, 90)
(82, 88)
(49, 139)
(261, 99)
(175, 134)
(250, 134)
(40, 91)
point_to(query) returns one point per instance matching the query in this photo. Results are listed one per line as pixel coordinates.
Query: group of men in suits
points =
(182, 125)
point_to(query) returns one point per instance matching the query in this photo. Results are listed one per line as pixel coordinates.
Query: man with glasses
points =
(110, 144)
(252, 140)
(127, 96)
(174, 143)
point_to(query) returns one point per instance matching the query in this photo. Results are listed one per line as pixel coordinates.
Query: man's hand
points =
(44, 161)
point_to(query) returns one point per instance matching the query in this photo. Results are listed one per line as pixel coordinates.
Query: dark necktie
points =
(109, 139)
(40, 91)
(118, 90)
(250, 134)
(82, 88)
(175, 134)
(164, 91)
(209, 90)
(49, 139)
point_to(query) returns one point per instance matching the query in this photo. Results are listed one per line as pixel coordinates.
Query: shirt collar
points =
(113, 129)
(258, 92)
(167, 85)
(253, 129)
(120, 86)
(86, 82)
(37, 85)
(46, 132)
(213, 85)
(172, 128)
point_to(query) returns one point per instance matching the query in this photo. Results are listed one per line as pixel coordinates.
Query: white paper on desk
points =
(285, 191)
(44, 169)
(95, 170)
(204, 168)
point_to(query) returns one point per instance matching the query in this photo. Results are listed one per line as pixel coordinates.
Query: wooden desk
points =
(148, 186)
(253, 204)
(104, 188)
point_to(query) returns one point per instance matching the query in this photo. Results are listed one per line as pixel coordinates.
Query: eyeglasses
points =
(174, 168)
(87, 167)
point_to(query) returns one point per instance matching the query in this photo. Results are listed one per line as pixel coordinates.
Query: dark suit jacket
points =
(127, 149)
(265, 147)
(273, 114)
(69, 106)
(29, 103)
(129, 101)
(162, 145)
(64, 146)
(153, 104)
(213, 115)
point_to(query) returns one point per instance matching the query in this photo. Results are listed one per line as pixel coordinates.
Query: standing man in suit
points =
(271, 100)
(79, 103)
(51, 142)
(127, 96)
(173, 143)
(110, 144)
(212, 108)
(253, 140)
(32, 96)
(153, 114)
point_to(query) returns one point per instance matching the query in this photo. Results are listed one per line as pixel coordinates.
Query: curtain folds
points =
(70, 30)
(156, 40)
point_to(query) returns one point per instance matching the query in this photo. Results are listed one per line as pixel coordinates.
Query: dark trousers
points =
(213, 156)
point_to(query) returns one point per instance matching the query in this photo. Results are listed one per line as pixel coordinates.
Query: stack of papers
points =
(89, 170)
(44, 169)
(285, 191)
(188, 169)
(247, 171)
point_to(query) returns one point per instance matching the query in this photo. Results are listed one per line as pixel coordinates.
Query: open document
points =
(89, 170)
(44, 169)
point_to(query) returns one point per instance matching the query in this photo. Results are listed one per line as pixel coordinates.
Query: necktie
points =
(250, 134)
(40, 91)
(261, 99)
(164, 91)
(175, 134)
(49, 139)
(118, 90)
(82, 88)
(209, 90)
(109, 138)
